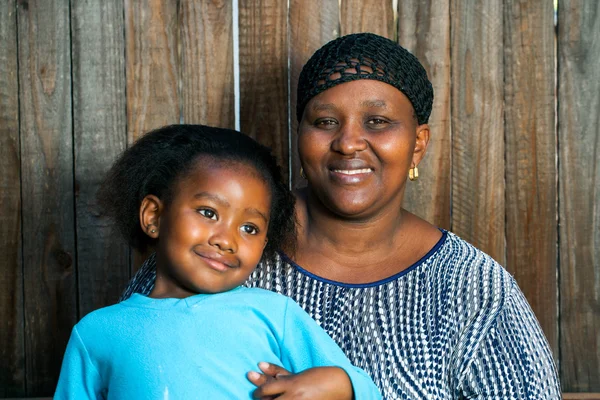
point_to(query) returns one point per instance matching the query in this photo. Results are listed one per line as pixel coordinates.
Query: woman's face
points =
(357, 142)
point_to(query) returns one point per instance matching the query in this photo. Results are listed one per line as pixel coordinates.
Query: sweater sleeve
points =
(513, 360)
(306, 345)
(79, 378)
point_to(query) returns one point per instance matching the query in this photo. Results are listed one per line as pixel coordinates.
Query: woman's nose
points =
(350, 139)
(223, 239)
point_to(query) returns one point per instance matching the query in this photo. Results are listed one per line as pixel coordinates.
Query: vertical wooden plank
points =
(579, 193)
(424, 29)
(531, 157)
(47, 188)
(12, 353)
(312, 23)
(152, 70)
(152, 65)
(263, 50)
(207, 62)
(478, 125)
(375, 16)
(100, 134)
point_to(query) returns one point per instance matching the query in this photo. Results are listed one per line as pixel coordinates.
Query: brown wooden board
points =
(152, 71)
(263, 55)
(579, 193)
(47, 189)
(529, 87)
(375, 16)
(100, 134)
(581, 396)
(152, 65)
(478, 125)
(424, 29)
(12, 353)
(206, 39)
(312, 24)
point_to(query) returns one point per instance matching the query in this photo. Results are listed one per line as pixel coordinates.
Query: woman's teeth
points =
(353, 171)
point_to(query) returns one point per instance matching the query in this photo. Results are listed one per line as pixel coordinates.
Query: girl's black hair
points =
(155, 163)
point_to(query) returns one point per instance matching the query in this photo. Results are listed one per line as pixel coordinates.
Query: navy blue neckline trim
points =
(433, 250)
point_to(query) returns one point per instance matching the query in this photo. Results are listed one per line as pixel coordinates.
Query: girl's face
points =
(212, 232)
(357, 141)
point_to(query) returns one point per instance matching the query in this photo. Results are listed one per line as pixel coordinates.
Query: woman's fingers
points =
(269, 372)
(273, 370)
(274, 388)
(257, 378)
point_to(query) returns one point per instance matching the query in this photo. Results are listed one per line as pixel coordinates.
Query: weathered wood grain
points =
(12, 352)
(424, 29)
(47, 188)
(531, 234)
(579, 193)
(581, 396)
(206, 39)
(152, 68)
(478, 125)
(100, 134)
(375, 16)
(263, 54)
(312, 24)
(152, 65)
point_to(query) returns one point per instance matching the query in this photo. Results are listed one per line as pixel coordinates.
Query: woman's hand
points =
(314, 383)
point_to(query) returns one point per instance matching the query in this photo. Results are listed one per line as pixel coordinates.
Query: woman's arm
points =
(513, 359)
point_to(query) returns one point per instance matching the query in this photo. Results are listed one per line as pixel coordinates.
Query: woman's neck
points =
(359, 251)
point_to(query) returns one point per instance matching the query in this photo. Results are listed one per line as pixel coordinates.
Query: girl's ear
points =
(150, 211)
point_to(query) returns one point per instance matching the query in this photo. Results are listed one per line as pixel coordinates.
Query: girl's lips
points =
(215, 264)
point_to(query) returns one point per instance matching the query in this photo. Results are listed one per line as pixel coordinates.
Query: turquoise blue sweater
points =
(198, 347)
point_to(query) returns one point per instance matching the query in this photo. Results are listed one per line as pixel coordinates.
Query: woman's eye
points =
(327, 122)
(250, 229)
(377, 121)
(208, 213)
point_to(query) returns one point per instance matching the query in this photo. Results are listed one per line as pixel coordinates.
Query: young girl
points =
(210, 201)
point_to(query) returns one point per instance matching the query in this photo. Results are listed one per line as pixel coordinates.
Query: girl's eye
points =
(208, 213)
(250, 229)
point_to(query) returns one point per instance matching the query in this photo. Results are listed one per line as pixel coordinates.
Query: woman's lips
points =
(353, 171)
(350, 176)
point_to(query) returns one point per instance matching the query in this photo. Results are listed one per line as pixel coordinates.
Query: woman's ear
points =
(150, 211)
(420, 144)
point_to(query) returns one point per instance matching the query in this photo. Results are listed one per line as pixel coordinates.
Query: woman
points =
(427, 315)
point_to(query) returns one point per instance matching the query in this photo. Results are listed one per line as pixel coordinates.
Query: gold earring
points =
(413, 173)
(302, 174)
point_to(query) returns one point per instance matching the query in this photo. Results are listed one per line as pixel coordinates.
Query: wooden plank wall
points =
(579, 193)
(512, 167)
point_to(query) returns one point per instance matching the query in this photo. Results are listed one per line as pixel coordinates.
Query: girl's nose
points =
(223, 240)
(350, 139)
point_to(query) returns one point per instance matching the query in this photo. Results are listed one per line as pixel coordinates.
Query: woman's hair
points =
(366, 56)
(158, 160)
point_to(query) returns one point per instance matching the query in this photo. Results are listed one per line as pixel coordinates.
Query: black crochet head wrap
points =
(366, 56)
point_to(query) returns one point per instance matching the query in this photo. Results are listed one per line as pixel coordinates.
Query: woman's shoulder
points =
(471, 275)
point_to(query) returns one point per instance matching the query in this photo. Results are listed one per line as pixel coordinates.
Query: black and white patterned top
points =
(454, 325)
